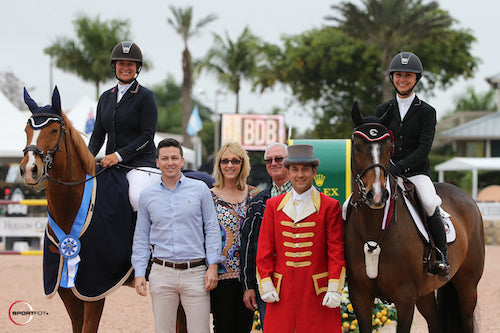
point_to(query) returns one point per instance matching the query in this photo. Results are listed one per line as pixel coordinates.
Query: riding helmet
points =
(127, 50)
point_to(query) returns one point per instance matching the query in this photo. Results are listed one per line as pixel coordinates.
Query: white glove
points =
(269, 294)
(331, 299)
(270, 297)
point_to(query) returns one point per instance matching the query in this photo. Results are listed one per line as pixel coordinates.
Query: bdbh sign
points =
(253, 132)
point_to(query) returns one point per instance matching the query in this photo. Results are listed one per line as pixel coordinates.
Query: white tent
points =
(12, 128)
(473, 164)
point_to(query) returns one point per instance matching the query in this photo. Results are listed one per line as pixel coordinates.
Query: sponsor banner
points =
(333, 177)
(22, 226)
(253, 131)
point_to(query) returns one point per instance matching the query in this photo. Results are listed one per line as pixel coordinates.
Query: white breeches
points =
(426, 193)
(138, 180)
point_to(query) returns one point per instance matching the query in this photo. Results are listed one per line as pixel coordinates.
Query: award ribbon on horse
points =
(69, 245)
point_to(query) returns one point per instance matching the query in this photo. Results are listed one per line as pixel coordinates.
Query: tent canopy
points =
(473, 164)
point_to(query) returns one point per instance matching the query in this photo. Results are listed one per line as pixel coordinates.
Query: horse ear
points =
(356, 116)
(29, 101)
(56, 101)
(387, 116)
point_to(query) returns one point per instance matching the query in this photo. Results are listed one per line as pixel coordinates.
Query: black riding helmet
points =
(126, 50)
(405, 62)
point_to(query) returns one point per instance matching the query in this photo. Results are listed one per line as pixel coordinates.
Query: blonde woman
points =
(231, 196)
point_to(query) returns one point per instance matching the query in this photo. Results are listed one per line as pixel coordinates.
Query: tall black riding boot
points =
(441, 266)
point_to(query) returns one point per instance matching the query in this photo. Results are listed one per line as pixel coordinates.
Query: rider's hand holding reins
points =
(109, 160)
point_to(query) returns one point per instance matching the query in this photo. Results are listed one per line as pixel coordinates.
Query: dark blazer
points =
(413, 137)
(249, 237)
(130, 125)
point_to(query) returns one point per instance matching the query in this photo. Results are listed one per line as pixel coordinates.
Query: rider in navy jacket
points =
(127, 115)
(130, 125)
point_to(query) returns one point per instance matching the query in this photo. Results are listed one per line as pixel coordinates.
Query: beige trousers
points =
(168, 286)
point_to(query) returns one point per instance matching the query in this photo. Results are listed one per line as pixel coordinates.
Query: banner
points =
(333, 177)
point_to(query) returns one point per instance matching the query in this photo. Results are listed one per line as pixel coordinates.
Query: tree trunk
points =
(186, 96)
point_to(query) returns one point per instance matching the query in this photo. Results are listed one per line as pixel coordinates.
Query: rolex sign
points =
(333, 177)
(252, 131)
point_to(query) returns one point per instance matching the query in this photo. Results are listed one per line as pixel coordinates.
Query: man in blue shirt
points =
(177, 218)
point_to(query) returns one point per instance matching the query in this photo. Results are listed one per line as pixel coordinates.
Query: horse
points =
(392, 263)
(57, 159)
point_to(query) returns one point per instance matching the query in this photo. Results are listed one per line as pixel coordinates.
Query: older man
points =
(300, 254)
(274, 155)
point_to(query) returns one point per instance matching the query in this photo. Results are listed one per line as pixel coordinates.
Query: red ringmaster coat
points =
(301, 255)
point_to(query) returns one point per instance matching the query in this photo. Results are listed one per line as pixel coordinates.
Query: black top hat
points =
(301, 154)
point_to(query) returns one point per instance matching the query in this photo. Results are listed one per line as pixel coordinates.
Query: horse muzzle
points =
(32, 172)
(377, 199)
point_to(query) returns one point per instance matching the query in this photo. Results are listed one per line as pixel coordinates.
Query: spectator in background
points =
(273, 157)
(231, 195)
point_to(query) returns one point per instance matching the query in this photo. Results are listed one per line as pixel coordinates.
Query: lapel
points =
(134, 88)
(310, 206)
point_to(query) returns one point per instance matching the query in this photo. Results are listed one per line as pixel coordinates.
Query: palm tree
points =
(182, 23)
(392, 25)
(88, 56)
(232, 61)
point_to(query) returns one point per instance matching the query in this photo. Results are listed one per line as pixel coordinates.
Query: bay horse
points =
(82, 264)
(390, 263)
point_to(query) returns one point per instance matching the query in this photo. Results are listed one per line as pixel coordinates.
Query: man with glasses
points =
(273, 157)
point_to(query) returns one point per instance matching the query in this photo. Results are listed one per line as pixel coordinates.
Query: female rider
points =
(413, 126)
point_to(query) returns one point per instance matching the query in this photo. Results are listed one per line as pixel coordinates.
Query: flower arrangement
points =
(383, 314)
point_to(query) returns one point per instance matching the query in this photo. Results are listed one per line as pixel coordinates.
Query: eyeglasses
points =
(234, 161)
(278, 159)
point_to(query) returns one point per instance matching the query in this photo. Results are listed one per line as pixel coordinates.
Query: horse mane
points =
(86, 158)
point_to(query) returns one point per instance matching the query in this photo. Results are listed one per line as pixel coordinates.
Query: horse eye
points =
(54, 131)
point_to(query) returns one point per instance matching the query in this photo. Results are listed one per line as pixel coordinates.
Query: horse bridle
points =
(48, 158)
(359, 175)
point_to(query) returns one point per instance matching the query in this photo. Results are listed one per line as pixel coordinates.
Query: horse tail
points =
(449, 308)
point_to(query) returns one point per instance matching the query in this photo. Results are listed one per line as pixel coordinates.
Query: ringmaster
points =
(300, 253)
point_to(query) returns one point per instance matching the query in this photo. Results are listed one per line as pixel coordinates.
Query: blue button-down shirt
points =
(180, 224)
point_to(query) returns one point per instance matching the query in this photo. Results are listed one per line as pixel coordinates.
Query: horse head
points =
(44, 132)
(372, 148)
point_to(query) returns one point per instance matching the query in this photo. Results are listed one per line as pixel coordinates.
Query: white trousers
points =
(426, 193)
(138, 180)
(168, 286)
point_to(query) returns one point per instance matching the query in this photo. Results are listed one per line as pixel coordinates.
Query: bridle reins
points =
(48, 157)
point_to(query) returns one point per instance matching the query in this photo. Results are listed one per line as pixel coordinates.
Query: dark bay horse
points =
(391, 267)
(57, 159)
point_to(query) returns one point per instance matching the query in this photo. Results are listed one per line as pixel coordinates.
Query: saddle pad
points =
(106, 244)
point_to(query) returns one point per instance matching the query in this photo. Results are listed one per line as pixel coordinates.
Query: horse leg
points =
(427, 307)
(405, 310)
(466, 289)
(181, 325)
(363, 308)
(74, 307)
(92, 315)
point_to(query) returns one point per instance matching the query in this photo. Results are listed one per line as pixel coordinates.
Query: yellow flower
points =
(384, 312)
(388, 322)
(345, 315)
(354, 322)
(349, 307)
(377, 322)
(352, 327)
(345, 324)
(384, 318)
(379, 315)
